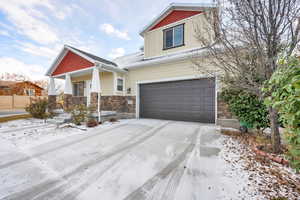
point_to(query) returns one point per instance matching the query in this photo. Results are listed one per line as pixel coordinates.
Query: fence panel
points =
(17, 102)
(6, 102)
(21, 102)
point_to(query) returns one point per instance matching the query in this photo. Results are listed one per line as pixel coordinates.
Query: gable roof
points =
(88, 56)
(102, 60)
(176, 6)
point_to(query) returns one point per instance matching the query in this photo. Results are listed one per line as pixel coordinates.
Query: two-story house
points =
(159, 82)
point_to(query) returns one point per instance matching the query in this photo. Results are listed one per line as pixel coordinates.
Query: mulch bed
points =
(267, 172)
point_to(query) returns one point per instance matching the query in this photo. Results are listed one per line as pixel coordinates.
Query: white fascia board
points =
(165, 59)
(56, 62)
(176, 6)
(110, 68)
(74, 72)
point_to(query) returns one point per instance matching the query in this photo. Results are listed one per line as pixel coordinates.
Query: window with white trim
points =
(78, 89)
(120, 83)
(174, 36)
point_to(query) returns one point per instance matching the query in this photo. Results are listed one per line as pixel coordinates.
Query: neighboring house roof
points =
(90, 59)
(137, 60)
(7, 83)
(176, 6)
(12, 83)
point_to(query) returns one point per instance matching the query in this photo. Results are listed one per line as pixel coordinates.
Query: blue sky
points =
(32, 32)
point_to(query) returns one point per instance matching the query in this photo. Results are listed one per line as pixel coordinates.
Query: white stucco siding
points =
(170, 70)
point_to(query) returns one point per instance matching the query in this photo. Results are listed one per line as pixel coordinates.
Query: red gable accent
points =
(71, 62)
(175, 16)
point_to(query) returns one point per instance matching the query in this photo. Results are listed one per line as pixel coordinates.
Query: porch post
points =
(68, 92)
(51, 95)
(95, 92)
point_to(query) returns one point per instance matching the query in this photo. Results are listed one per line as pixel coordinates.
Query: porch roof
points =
(76, 61)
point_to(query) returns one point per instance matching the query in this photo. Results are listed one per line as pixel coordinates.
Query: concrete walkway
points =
(139, 159)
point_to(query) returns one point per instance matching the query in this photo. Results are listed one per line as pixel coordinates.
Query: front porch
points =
(98, 84)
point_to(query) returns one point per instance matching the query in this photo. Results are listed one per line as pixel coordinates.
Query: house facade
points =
(21, 88)
(159, 82)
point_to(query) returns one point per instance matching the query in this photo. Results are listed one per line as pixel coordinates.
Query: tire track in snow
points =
(142, 192)
(10, 130)
(46, 188)
(58, 147)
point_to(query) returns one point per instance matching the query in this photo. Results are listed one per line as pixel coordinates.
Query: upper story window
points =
(120, 84)
(174, 36)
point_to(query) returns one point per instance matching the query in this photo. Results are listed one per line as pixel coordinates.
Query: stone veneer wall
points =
(223, 111)
(51, 102)
(122, 104)
(79, 100)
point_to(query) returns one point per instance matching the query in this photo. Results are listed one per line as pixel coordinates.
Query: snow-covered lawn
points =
(130, 159)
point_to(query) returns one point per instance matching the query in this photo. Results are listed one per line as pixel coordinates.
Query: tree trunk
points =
(275, 130)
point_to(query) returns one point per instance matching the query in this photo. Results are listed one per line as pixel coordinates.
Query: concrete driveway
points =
(136, 159)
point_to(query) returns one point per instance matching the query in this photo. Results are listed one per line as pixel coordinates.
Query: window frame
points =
(77, 91)
(117, 89)
(172, 28)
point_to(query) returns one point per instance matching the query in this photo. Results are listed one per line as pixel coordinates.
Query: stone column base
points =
(94, 101)
(51, 102)
(67, 101)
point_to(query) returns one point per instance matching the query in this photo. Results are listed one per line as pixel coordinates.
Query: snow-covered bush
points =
(78, 113)
(37, 108)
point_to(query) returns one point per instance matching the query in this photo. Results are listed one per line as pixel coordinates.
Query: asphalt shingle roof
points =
(95, 57)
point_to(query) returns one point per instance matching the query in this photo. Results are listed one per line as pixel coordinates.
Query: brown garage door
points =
(187, 100)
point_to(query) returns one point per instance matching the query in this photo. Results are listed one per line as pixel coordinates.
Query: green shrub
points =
(284, 95)
(37, 108)
(248, 108)
(78, 113)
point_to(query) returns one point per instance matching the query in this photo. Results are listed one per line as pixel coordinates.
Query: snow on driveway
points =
(131, 159)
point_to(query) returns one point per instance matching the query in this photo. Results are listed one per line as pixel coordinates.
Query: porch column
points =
(68, 92)
(95, 92)
(51, 95)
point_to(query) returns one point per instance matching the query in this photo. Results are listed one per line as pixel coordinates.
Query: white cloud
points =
(28, 20)
(116, 53)
(111, 30)
(39, 50)
(12, 65)
(5, 33)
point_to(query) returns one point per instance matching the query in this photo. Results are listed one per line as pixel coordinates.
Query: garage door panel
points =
(188, 100)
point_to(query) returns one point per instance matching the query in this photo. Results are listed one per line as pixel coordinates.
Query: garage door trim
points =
(138, 83)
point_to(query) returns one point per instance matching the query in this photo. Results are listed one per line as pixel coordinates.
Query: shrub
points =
(37, 108)
(284, 95)
(78, 113)
(248, 108)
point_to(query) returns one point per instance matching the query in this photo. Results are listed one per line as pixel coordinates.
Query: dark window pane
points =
(120, 84)
(169, 38)
(75, 89)
(178, 35)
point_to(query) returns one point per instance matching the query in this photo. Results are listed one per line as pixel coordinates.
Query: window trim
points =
(120, 78)
(73, 88)
(164, 38)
